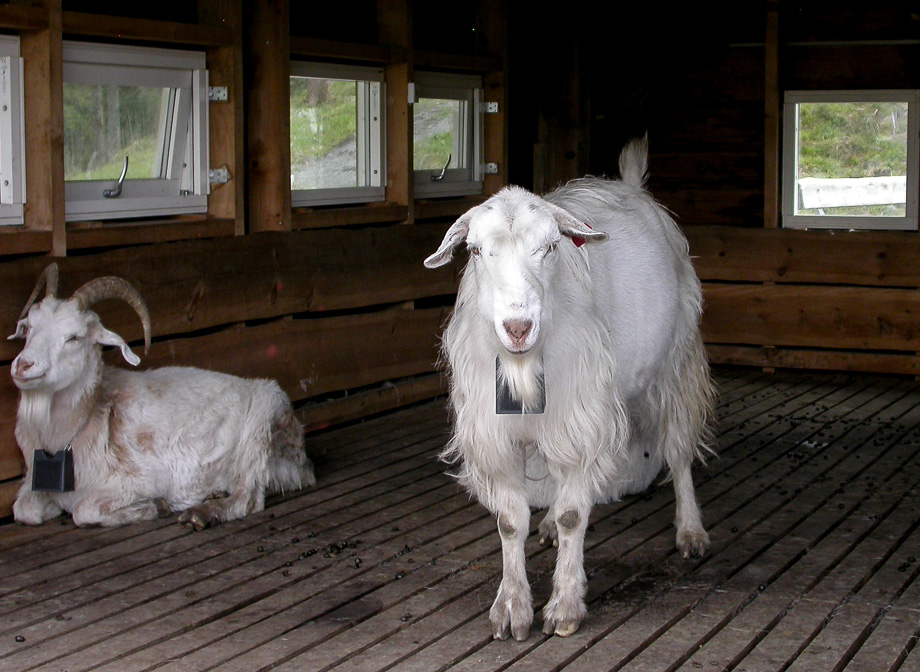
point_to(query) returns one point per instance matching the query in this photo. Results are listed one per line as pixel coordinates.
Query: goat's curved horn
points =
(111, 287)
(48, 281)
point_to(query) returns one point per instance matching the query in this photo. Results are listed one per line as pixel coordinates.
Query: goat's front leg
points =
(565, 610)
(33, 508)
(512, 611)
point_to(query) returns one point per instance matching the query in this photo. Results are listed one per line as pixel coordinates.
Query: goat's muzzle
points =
(25, 372)
(518, 331)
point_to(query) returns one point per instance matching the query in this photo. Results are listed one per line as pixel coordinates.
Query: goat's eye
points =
(73, 338)
(474, 250)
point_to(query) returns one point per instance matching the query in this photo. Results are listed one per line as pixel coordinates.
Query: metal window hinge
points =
(217, 93)
(219, 176)
(490, 168)
(490, 107)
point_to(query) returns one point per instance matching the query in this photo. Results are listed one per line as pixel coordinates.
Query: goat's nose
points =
(518, 330)
(23, 365)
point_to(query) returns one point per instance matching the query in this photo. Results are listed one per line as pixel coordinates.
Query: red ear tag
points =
(578, 240)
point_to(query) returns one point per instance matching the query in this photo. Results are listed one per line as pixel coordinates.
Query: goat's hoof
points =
(692, 543)
(197, 519)
(511, 617)
(563, 628)
(163, 510)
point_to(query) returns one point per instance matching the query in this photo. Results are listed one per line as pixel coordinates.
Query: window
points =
(336, 134)
(135, 132)
(850, 159)
(12, 151)
(447, 131)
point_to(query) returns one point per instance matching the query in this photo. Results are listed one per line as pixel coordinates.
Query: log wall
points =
(334, 303)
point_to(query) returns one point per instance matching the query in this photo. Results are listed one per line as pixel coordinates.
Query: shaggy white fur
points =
(591, 291)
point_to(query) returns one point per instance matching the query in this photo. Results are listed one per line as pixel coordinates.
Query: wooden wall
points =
(334, 302)
(705, 80)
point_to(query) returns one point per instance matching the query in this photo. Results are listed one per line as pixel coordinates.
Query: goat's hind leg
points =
(221, 507)
(684, 439)
(110, 510)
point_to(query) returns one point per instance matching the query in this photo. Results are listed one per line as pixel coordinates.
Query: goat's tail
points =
(634, 161)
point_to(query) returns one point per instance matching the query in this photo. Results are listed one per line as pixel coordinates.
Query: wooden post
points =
(43, 55)
(772, 120)
(225, 68)
(394, 20)
(268, 113)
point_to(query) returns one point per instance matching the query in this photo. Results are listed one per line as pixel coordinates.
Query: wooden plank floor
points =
(812, 505)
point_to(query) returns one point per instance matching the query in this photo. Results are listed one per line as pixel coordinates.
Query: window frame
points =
(186, 186)
(12, 133)
(371, 135)
(455, 181)
(909, 222)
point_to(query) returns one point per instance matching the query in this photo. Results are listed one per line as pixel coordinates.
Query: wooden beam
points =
(42, 51)
(203, 284)
(802, 316)
(873, 258)
(147, 30)
(773, 106)
(227, 128)
(369, 402)
(268, 113)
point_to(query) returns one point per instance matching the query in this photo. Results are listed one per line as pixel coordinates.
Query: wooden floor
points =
(812, 505)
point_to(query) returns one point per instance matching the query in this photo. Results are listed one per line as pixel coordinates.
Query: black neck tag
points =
(505, 404)
(52, 472)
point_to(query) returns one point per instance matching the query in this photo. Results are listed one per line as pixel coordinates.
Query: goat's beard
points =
(523, 374)
(35, 408)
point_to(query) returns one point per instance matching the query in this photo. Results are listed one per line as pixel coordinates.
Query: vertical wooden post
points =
(492, 21)
(268, 113)
(394, 21)
(42, 52)
(772, 120)
(225, 68)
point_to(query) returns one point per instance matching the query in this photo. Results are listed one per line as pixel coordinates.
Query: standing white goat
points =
(609, 333)
(144, 443)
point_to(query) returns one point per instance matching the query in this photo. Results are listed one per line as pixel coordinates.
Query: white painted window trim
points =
(371, 137)
(790, 156)
(184, 159)
(456, 181)
(12, 135)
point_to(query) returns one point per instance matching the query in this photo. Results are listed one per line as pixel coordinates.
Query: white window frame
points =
(371, 136)
(185, 161)
(455, 181)
(790, 187)
(12, 135)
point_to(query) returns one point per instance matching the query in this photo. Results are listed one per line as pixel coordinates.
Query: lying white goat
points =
(144, 443)
(609, 332)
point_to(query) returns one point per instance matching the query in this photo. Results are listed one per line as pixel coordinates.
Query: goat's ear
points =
(105, 337)
(455, 235)
(21, 330)
(571, 227)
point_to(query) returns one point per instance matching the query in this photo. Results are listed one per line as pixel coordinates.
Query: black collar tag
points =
(505, 404)
(52, 472)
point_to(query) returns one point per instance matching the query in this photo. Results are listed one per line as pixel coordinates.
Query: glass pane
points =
(852, 159)
(439, 134)
(324, 133)
(104, 124)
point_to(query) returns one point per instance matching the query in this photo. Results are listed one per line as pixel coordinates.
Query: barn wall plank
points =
(812, 316)
(728, 253)
(194, 285)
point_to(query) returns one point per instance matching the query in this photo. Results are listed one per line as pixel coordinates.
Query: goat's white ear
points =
(571, 227)
(105, 337)
(455, 235)
(21, 330)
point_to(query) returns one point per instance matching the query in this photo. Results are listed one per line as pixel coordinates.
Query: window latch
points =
(440, 176)
(116, 192)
